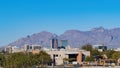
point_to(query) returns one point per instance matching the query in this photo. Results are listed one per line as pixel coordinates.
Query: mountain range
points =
(76, 38)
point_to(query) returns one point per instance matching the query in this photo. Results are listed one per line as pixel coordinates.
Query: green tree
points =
(89, 59)
(43, 57)
(109, 53)
(92, 50)
(24, 60)
(116, 55)
(2, 59)
(87, 47)
(65, 59)
(95, 52)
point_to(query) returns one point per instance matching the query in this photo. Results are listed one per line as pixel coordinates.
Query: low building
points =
(36, 51)
(117, 49)
(13, 49)
(32, 48)
(27, 48)
(8, 49)
(16, 49)
(72, 54)
(100, 48)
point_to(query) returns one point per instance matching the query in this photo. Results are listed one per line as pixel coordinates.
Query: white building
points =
(117, 49)
(100, 48)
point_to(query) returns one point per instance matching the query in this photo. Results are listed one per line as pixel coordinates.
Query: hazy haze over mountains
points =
(76, 38)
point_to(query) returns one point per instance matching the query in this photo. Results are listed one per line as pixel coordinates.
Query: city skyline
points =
(21, 18)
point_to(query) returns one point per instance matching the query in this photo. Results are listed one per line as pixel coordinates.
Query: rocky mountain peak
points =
(76, 38)
(99, 29)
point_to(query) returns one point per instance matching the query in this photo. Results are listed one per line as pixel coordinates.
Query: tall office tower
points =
(54, 42)
(64, 43)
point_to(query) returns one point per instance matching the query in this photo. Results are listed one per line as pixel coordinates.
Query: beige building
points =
(32, 48)
(36, 51)
(73, 54)
(16, 49)
(8, 49)
(27, 48)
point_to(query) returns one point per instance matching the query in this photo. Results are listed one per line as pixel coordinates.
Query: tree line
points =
(24, 60)
(111, 54)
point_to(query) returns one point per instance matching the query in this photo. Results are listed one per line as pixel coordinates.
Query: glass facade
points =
(64, 43)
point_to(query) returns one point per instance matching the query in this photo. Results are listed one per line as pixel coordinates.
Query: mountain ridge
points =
(76, 38)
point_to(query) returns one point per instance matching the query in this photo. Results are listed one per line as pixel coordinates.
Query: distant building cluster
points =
(59, 54)
(25, 48)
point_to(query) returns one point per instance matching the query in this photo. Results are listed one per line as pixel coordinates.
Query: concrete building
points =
(27, 48)
(32, 48)
(16, 49)
(36, 51)
(13, 49)
(8, 49)
(73, 54)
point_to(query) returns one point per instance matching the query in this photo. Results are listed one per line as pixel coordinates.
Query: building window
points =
(56, 55)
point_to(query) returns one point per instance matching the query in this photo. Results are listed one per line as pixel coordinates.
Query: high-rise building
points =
(64, 43)
(54, 42)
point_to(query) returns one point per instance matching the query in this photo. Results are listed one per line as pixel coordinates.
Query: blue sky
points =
(19, 18)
